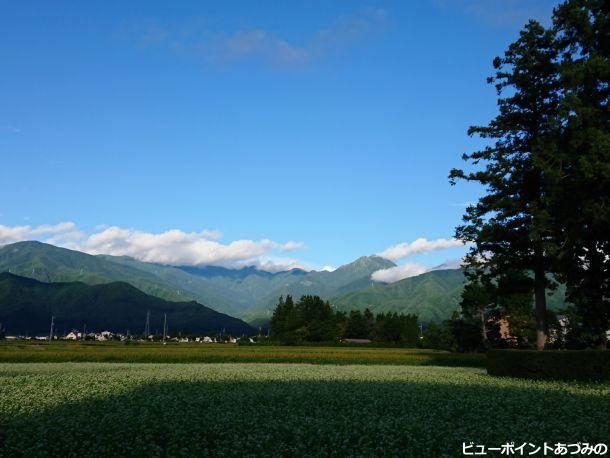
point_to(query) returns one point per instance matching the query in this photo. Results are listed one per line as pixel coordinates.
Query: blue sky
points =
(330, 124)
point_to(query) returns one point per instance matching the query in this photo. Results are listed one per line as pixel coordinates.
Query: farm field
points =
(222, 353)
(98, 409)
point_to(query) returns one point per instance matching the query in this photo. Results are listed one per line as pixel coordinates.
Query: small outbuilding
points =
(357, 341)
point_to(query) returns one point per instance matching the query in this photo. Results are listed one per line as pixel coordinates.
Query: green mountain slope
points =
(245, 292)
(49, 263)
(26, 306)
(214, 294)
(432, 296)
(347, 278)
(227, 290)
(248, 293)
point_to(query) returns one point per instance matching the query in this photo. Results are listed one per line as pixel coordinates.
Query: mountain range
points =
(247, 293)
(26, 306)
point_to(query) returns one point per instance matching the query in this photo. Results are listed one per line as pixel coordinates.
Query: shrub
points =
(551, 364)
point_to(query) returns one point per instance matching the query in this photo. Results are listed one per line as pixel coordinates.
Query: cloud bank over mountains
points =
(421, 245)
(173, 247)
(404, 250)
(397, 273)
(204, 248)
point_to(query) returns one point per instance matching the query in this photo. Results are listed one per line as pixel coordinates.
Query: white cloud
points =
(60, 233)
(279, 264)
(254, 43)
(397, 273)
(394, 274)
(329, 268)
(449, 264)
(211, 234)
(173, 247)
(404, 250)
(10, 129)
(421, 245)
(176, 247)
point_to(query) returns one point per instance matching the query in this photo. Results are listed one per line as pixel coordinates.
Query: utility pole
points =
(164, 327)
(147, 325)
(52, 325)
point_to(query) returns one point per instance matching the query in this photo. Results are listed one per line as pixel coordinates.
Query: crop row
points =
(85, 409)
(210, 353)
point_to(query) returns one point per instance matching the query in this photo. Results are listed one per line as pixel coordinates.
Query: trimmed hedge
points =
(550, 364)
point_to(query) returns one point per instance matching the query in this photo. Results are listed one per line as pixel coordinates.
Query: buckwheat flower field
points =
(98, 409)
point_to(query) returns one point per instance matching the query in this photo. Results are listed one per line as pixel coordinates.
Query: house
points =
(73, 335)
(207, 339)
(504, 329)
(357, 341)
(104, 335)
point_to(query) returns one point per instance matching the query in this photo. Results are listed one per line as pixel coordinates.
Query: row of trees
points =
(313, 320)
(463, 334)
(545, 216)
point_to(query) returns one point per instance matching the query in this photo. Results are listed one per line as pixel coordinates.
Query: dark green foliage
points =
(309, 320)
(581, 197)
(509, 226)
(359, 325)
(466, 334)
(26, 307)
(547, 175)
(437, 337)
(392, 327)
(457, 334)
(551, 365)
(313, 320)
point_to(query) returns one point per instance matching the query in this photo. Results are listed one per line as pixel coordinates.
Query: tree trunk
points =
(540, 301)
(592, 311)
(483, 327)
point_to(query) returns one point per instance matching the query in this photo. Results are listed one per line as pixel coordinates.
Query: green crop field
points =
(220, 353)
(99, 409)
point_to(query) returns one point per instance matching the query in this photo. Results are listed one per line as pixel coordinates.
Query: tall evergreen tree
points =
(509, 226)
(581, 210)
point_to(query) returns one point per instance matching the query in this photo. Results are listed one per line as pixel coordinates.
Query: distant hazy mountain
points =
(26, 306)
(432, 296)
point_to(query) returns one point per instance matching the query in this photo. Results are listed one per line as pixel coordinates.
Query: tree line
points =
(544, 218)
(312, 319)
